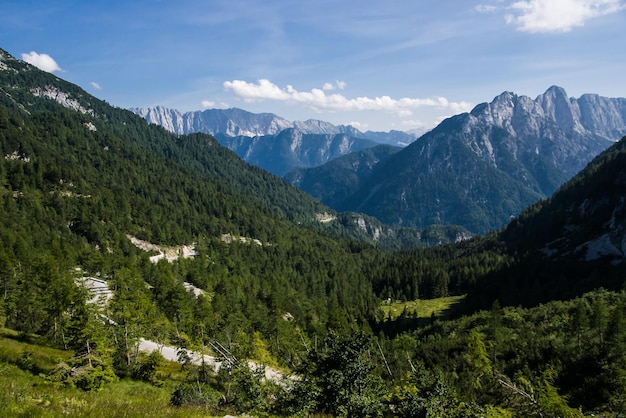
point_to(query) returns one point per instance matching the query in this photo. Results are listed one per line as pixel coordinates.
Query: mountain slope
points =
(585, 219)
(480, 168)
(570, 243)
(78, 177)
(336, 180)
(26, 90)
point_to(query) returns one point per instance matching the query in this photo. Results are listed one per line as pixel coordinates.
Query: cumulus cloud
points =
(209, 104)
(330, 86)
(317, 99)
(558, 16)
(95, 85)
(42, 61)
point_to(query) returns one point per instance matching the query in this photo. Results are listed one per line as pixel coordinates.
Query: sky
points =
(377, 65)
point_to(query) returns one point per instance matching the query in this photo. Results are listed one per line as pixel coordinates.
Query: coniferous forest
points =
(540, 329)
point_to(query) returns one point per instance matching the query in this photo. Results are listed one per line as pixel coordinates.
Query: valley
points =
(507, 301)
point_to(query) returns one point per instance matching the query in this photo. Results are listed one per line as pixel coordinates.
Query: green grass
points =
(421, 308)
(28, 352)
(25, 391)
(24, 394)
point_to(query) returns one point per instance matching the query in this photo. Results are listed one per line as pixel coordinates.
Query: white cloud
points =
(317, 99)
(485, 8)
(95, 85)
(341, 85)
(209, 104)
(42, 61)
(558, 16)
(414, 124)
(357, 125)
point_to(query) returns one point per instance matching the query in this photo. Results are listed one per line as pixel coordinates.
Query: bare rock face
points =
(566, 131)
(238, 122)
(291, 149)
(232, 122)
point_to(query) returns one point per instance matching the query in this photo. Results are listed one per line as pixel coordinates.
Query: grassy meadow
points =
(26, 392)
(421, 308)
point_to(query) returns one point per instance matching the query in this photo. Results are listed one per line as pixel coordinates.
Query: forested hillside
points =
(89, 192)
(77, 183)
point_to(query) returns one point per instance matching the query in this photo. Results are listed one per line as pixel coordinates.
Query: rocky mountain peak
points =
(4, 55)
(551, 114)
(560, 109)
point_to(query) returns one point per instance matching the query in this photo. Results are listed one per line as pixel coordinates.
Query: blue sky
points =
(379, 65)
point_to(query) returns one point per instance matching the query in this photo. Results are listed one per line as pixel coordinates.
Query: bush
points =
(194, 393)
(146, 368)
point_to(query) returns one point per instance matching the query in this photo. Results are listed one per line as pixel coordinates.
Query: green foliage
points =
(26, 394)
(541, 361)
(146, 368)
(337, 379)
(91, 367)
(428, 395)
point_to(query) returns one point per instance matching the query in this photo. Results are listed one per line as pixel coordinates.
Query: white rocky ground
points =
(171, 353)
(165, 253)
(99, 291)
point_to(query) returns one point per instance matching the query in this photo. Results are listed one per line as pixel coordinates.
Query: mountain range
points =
(273, 192)
(271, 142)
(238, 122)
(477, 169)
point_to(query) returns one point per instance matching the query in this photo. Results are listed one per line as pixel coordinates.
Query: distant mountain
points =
(289, 149)
(271, 142)
(238, 122)
(393, 137)
(336, 180)
(231, 122)
(479, 169)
